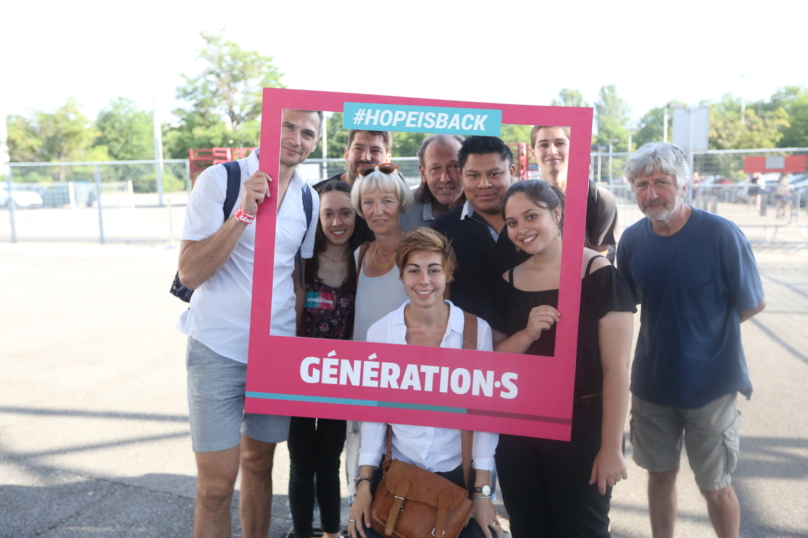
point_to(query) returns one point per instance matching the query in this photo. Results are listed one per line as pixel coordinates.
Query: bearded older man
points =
(696, 277)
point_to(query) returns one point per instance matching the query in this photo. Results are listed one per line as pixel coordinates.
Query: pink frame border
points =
(544, 406)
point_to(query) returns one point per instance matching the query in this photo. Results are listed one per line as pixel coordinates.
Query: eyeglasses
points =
(384, 168)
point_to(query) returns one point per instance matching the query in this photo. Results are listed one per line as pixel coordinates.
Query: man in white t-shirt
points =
(216, 260)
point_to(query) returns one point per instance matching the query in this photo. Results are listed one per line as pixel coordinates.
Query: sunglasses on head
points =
(384, 168)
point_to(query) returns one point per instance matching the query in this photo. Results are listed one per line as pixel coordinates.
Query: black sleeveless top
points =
(602, 291)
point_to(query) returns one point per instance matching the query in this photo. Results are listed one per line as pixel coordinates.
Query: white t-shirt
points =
(219, 315)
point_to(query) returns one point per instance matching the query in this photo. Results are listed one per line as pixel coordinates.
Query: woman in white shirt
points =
(426, 262)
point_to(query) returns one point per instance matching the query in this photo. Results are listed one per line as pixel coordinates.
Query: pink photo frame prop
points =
(467, 389)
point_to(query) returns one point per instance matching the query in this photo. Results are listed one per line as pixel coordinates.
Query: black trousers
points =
(545, 483)
(314, 449)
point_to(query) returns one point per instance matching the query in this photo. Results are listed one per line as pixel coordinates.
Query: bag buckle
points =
(402, 504)
(434, 529)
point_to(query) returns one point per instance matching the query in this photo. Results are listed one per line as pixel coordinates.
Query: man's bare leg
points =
(216, 477)
(255, 498)
(724, 510)
(662, 502)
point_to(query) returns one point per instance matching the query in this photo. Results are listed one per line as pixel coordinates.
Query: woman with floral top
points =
(330, 282)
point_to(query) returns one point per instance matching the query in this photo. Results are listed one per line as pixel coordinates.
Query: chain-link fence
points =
(100, 201)
(314, 170)
(142, 201)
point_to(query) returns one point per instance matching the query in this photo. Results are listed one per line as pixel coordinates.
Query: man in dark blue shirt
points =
(696, 278)
(476, 228)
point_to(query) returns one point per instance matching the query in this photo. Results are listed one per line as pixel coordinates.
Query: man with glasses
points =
(441, 187)
(216, 260)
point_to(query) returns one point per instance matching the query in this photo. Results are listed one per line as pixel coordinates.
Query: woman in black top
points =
(557, 488)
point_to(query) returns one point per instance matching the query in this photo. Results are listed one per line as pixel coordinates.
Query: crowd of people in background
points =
(382, 262)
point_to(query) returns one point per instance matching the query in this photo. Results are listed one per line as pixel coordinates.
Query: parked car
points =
(768, 183)
(58, 194)
(20, 198)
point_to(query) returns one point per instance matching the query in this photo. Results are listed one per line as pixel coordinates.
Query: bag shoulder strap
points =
(388, 454)
(467, 436)
(469, 331)
(233, 186)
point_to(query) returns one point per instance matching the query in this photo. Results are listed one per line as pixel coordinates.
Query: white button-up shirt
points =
(468, 213)
(434, 449)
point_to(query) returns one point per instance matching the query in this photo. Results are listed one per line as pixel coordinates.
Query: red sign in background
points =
(477, 390)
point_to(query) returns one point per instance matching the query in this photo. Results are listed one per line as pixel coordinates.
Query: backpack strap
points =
(233, 187)
(308, 209)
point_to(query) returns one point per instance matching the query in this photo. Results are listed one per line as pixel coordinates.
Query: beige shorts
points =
(710, 434)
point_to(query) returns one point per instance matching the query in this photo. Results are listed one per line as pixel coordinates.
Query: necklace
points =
(382, 265)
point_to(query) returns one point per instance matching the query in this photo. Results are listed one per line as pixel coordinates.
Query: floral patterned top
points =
(329, 312)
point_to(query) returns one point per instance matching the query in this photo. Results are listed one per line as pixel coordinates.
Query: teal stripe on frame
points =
(315, 399)
(422, 407)
(348, 401)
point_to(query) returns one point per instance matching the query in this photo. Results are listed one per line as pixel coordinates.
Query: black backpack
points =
(178, 289)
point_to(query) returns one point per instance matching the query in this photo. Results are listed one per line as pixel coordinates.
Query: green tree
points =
(613, 114)
(794, 100)
(337, 136)
(177, 140)
(224, 100)
(63, 135)
(515, 134)
(650, 125)
(569, 97)
(229, 86)
(125, 130)
(759, 130)
(407, 144)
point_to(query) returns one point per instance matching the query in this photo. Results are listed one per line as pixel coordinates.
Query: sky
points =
(510, 52)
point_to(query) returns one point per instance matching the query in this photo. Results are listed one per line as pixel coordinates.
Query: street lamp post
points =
(743, 101)
(611, 146)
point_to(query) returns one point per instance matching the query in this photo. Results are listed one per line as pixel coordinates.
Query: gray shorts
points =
(216, 388)
(711, 437)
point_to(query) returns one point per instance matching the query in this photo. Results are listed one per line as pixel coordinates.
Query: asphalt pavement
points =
(94, 422)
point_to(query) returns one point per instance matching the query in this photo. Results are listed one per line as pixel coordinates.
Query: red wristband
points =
(244, 217)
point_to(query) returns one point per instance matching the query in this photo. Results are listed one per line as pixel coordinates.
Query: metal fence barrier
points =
(94, 201)
(145, 200)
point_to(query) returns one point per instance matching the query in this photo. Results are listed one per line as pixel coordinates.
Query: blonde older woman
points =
(380, 195)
